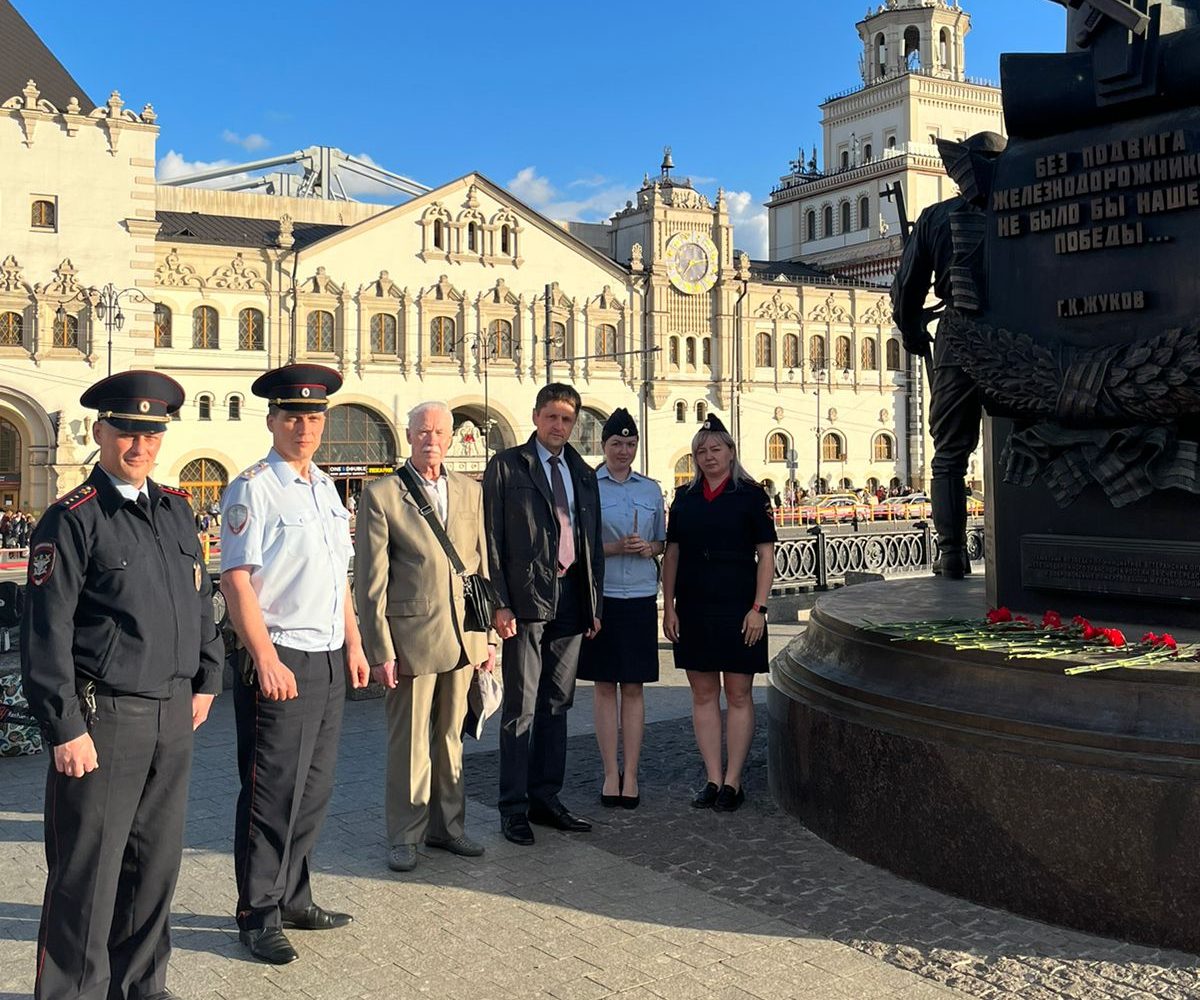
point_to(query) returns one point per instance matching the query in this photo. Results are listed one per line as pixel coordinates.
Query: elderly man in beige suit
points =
(410, 610)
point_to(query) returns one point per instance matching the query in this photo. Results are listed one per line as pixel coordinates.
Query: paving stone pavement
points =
(658, 903)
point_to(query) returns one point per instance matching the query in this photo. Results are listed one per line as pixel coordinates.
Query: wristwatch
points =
(761, 609)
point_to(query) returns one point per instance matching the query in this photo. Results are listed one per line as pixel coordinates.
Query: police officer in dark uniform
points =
(120, 660)
(933, 253)
(285, 552)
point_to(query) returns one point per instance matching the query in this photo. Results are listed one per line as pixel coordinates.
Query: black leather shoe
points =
(162, 995)
(728, 800)
(706, 796)
(558, 817)
(516, 829)
(314, 918)
(269, 944)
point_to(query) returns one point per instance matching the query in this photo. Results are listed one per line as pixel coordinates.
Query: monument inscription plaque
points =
(1118, 566)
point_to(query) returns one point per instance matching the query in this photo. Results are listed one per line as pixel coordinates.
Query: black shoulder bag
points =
(478, 594)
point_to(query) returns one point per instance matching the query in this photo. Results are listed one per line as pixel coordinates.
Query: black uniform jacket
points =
(522, 530)
(114, 599)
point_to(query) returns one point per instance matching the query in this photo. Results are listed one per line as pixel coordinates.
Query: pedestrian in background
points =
(717, 573)
(623, 655)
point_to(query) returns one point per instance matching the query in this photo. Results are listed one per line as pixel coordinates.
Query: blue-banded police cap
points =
(298, 388)
(137, 402)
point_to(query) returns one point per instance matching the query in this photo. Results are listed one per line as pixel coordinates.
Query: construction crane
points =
(318, 177)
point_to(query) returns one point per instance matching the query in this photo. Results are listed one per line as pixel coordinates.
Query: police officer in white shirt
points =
(285, 553)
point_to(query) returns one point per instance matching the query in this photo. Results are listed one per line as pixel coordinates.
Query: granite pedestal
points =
(1075, 800)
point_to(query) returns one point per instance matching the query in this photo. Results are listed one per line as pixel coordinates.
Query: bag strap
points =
(417, 492)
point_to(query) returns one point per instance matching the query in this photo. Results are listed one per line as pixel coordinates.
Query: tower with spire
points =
(913, 90)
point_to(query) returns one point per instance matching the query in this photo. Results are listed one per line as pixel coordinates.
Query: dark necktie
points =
(143, 503)
(566, 538)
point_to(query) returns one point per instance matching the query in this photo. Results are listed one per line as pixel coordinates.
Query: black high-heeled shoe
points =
(628, 801)
(612, 801)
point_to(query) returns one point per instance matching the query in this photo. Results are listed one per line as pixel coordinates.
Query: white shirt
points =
(294, 535)
(127, 490)
(435, 490)
(544, 455)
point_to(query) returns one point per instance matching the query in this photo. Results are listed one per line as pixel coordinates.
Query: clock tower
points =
(681, 246)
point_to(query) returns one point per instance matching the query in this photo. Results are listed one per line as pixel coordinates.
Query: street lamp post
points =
(485, 347)
(106, 304)
(820, 373)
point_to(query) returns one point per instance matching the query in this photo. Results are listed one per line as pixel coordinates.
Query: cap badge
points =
(144, 406)
(707, 425)
(624, 432)
(306, 392)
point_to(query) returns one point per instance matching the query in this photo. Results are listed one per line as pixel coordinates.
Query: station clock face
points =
(691, 259)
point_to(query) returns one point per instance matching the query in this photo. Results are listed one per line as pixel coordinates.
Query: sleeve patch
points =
(41, 562)
(237, 517)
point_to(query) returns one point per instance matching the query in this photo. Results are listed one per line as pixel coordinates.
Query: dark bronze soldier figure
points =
(956, 405)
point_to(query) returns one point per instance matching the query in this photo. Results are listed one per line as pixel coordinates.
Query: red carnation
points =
(1114, 636)
(1051, 619)
(1168, 641)
(1151, 638)
(1089, 632)
(998, 615)
(1080, 620)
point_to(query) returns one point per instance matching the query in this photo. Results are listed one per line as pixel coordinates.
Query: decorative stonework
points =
(880, 314)
(320, 284)
(239, 276)
(32, 108)
(286, 238)
(636, 263)
(64, 284)
(830, 312)
(10, 276)
(173, 273)
(776, 308)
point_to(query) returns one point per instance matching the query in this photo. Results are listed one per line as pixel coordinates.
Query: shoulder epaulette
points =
(77, 497)
(253, 471)
(175, 491)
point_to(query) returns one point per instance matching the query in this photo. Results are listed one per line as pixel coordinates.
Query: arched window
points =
(504, 239)
(205, 479)
(864, 212)
(685, 471)
(944, 47)
(870, 356)
(681, 412)
(791, 350)
(762, 351)
(471, 236)
(845, 159)
(867, 152)
(816, 350)
(912, 47)
(250, 330)
(66, 330)
(706, 351)
(841, 353)
(846, 483)
(11, 329)
(810, 225)
(891, 142)
(162, 325)
(833, 448)
(558, 341)
(441, 337)
(777, 447)
(383, 333)
(320, 331)
(589, 432)
(892, 351)
(872, 485)
(42, 214)
(500, 338)
(689, 352)
(235, 408)
(439, 239)
(673, 352)
(204, 407)
(205, 329)
(881, 53)
(355, 435)
(701, 412)
(845, 212)
(606, 342)
(10, 448)
(883, 448)
(827, 221)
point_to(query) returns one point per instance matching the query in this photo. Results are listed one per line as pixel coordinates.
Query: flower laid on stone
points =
(1019, 638)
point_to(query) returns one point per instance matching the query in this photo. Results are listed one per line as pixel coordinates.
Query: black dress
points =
(717, 575)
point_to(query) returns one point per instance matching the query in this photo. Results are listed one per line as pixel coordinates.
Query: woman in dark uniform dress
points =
(717, 573)
(624, 653)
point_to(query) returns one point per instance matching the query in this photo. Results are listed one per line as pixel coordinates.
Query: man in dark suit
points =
(542, 508)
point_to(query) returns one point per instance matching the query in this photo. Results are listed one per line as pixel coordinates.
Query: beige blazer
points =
(409, 600)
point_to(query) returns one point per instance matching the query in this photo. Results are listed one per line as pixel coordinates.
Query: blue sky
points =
(568, 104)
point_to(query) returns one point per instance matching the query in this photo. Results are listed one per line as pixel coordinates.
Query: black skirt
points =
(625, 650)
(711, 640)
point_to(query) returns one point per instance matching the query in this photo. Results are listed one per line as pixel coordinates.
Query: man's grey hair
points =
(418, 411)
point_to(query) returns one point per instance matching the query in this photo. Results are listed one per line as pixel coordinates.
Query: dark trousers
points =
(113, 843)
(287, 751)
(955, 409)
(539, 667)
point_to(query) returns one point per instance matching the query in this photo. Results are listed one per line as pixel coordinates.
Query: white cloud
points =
(358, 186)
(250, 143)
(174, 165)
(749, 220)
(538, 191)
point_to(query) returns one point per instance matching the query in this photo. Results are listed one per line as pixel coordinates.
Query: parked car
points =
(836, 508)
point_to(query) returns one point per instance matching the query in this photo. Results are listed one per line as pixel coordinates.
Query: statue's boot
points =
(949, 498)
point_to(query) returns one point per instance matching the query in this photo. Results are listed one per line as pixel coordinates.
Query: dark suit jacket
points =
(522, 531)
